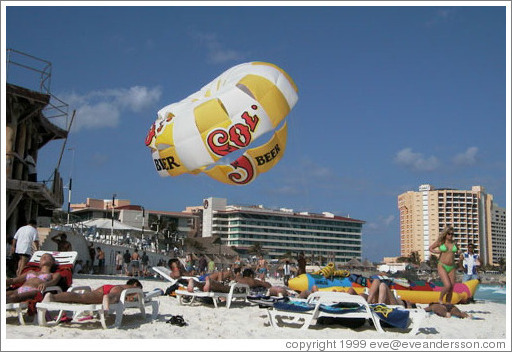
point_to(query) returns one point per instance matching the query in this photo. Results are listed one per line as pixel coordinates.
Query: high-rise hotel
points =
(472, 213)
(279, 231)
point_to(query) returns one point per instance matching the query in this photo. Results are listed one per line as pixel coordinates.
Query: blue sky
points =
(389, 98)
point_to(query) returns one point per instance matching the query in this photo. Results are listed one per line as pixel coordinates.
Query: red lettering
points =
(222, 142)
(150, 135)
(251, 121)
(240, 135)
(242, 177)
(218, 141)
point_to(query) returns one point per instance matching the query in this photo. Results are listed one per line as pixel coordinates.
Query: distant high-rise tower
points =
(499, 233)
(425, 213)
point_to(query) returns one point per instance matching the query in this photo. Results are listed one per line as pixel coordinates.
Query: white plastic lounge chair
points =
(316, 304)
(21, 306)
(316, 300)
(140, 303)
(236, 291)
(61, 258)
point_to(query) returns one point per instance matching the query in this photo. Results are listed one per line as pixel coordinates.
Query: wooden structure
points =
(27, 131)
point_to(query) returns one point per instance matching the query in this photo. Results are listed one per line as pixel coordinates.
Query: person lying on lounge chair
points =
(177, 271)
(33, 281)
(381, 293)
(222, 276)
(213, 285)
(106, 294)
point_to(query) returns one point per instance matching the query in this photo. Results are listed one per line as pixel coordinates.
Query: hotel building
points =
(425, 213)
(280, 231)
(499, 233)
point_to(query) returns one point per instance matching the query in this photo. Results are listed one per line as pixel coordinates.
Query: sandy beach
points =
(241, 321)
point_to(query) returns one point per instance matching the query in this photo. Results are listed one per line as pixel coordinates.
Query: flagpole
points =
(112, 228)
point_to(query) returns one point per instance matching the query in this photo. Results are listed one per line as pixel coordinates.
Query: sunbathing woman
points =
(216, 286)
(106, 294)
(34, 281)
(380, 293)
(447, 251)
(446, 310)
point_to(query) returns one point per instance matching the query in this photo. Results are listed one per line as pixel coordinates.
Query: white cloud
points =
(380, 224)
(217, 53)
(315, 170)
(466, 158)
(416, 161)
(389, 220)
(99, 109)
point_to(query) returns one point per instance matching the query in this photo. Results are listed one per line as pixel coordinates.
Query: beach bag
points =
(170, 290)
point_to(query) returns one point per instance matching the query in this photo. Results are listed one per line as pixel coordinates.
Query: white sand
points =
(241, 321)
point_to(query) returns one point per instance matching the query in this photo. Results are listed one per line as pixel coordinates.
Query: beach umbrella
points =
(354, 263)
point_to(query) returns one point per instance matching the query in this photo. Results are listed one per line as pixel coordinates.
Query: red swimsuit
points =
(107, 289)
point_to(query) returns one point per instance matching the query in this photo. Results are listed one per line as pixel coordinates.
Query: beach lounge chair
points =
(65, 262)
(140, 303)
(322, 304)
(236, 291)
(344, 305)
(21, 306)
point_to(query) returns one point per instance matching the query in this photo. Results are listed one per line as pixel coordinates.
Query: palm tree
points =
(288, 254)
(432, 261)
(256, 249)
(414, 258)
(502, 263)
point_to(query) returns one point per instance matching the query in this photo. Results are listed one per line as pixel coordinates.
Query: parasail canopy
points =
(226, 116)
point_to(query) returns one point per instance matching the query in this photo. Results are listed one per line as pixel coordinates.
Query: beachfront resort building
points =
(334, 238)
(499, 233)
(135, 224)
(425, 213)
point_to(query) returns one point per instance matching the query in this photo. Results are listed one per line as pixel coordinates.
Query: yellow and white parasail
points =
(227, 115)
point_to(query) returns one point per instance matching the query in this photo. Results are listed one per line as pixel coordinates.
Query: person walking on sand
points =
(262, 268)
(135, 262)
(101, 260)
(286, 272)
(119, 263)
(145, 262)
(301, 263)
(127, 257)
(447, 250)
(22, 244)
